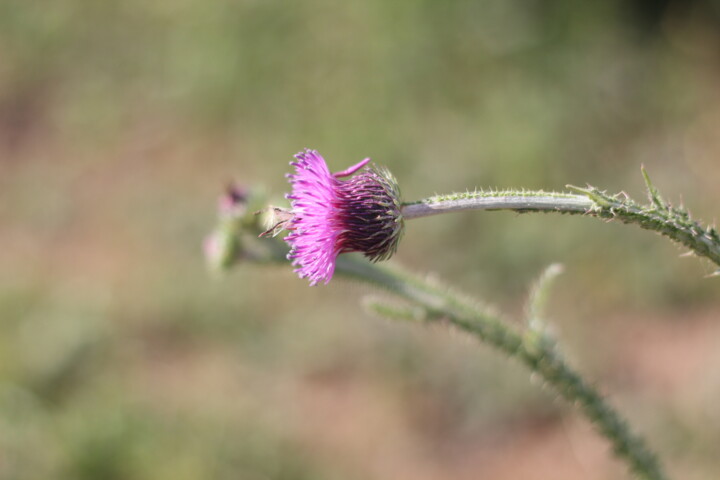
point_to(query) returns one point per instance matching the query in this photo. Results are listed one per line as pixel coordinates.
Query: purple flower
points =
(333, 216)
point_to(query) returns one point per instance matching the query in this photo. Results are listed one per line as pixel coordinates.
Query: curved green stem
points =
(660, 217)
(517, 201)
(529, 346)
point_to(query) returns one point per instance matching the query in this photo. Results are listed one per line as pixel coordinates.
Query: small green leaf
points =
(593, 194)
(539, 295)
(653, 193)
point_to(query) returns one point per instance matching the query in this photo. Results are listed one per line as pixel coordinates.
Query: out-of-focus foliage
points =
(120, 123)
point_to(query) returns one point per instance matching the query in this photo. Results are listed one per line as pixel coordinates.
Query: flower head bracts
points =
(333, 216)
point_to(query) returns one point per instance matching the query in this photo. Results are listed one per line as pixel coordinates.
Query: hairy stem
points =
(533, 202)
(528, 346)
(674, 223)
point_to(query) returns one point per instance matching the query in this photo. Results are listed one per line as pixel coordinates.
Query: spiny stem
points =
(527, 346)
(517, 201)
(672, 222)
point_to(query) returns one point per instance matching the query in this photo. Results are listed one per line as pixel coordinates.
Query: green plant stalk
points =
(529, 344)
(674, 223)
(531, 347)
(517, 200)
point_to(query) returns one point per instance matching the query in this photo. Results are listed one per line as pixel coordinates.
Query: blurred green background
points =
(120, 122)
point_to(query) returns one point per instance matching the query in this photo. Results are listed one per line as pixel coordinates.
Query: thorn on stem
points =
(653, 193)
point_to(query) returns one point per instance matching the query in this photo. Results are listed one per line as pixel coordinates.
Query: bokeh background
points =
(121, 122)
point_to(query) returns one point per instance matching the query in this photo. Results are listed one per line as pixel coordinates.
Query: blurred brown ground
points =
(122, 358)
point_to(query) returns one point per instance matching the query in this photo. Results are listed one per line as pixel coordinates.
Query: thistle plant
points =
(329, 216)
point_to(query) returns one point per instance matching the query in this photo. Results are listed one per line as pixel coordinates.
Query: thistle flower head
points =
(333, 216)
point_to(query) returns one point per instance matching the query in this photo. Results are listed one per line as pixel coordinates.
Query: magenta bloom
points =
(333, 216)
